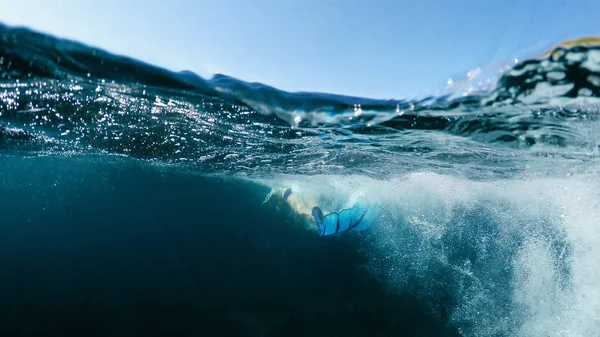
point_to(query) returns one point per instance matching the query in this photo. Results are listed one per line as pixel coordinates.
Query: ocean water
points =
(131, 202)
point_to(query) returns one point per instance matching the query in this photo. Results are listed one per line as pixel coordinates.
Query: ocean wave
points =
(60, 96)
(489, 198)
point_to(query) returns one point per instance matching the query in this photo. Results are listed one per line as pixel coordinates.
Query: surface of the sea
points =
(131, 202)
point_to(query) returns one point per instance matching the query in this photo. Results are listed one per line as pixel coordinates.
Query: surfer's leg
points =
(302, 203)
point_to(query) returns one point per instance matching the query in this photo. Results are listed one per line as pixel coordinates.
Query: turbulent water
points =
(491, 222)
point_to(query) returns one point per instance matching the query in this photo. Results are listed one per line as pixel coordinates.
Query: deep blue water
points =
(102, 247)
(131, 202)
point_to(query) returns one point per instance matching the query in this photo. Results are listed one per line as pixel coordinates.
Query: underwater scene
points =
(136, 200)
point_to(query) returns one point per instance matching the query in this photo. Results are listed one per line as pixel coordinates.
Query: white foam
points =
(549, 228)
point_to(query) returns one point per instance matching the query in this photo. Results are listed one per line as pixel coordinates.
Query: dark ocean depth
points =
(101, 247)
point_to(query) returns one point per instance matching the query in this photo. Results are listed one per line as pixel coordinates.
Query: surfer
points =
(356, 218)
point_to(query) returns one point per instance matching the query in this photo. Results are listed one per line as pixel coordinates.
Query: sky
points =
(377, 48)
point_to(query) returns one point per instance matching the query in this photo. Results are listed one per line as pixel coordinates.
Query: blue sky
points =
(379, 49)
